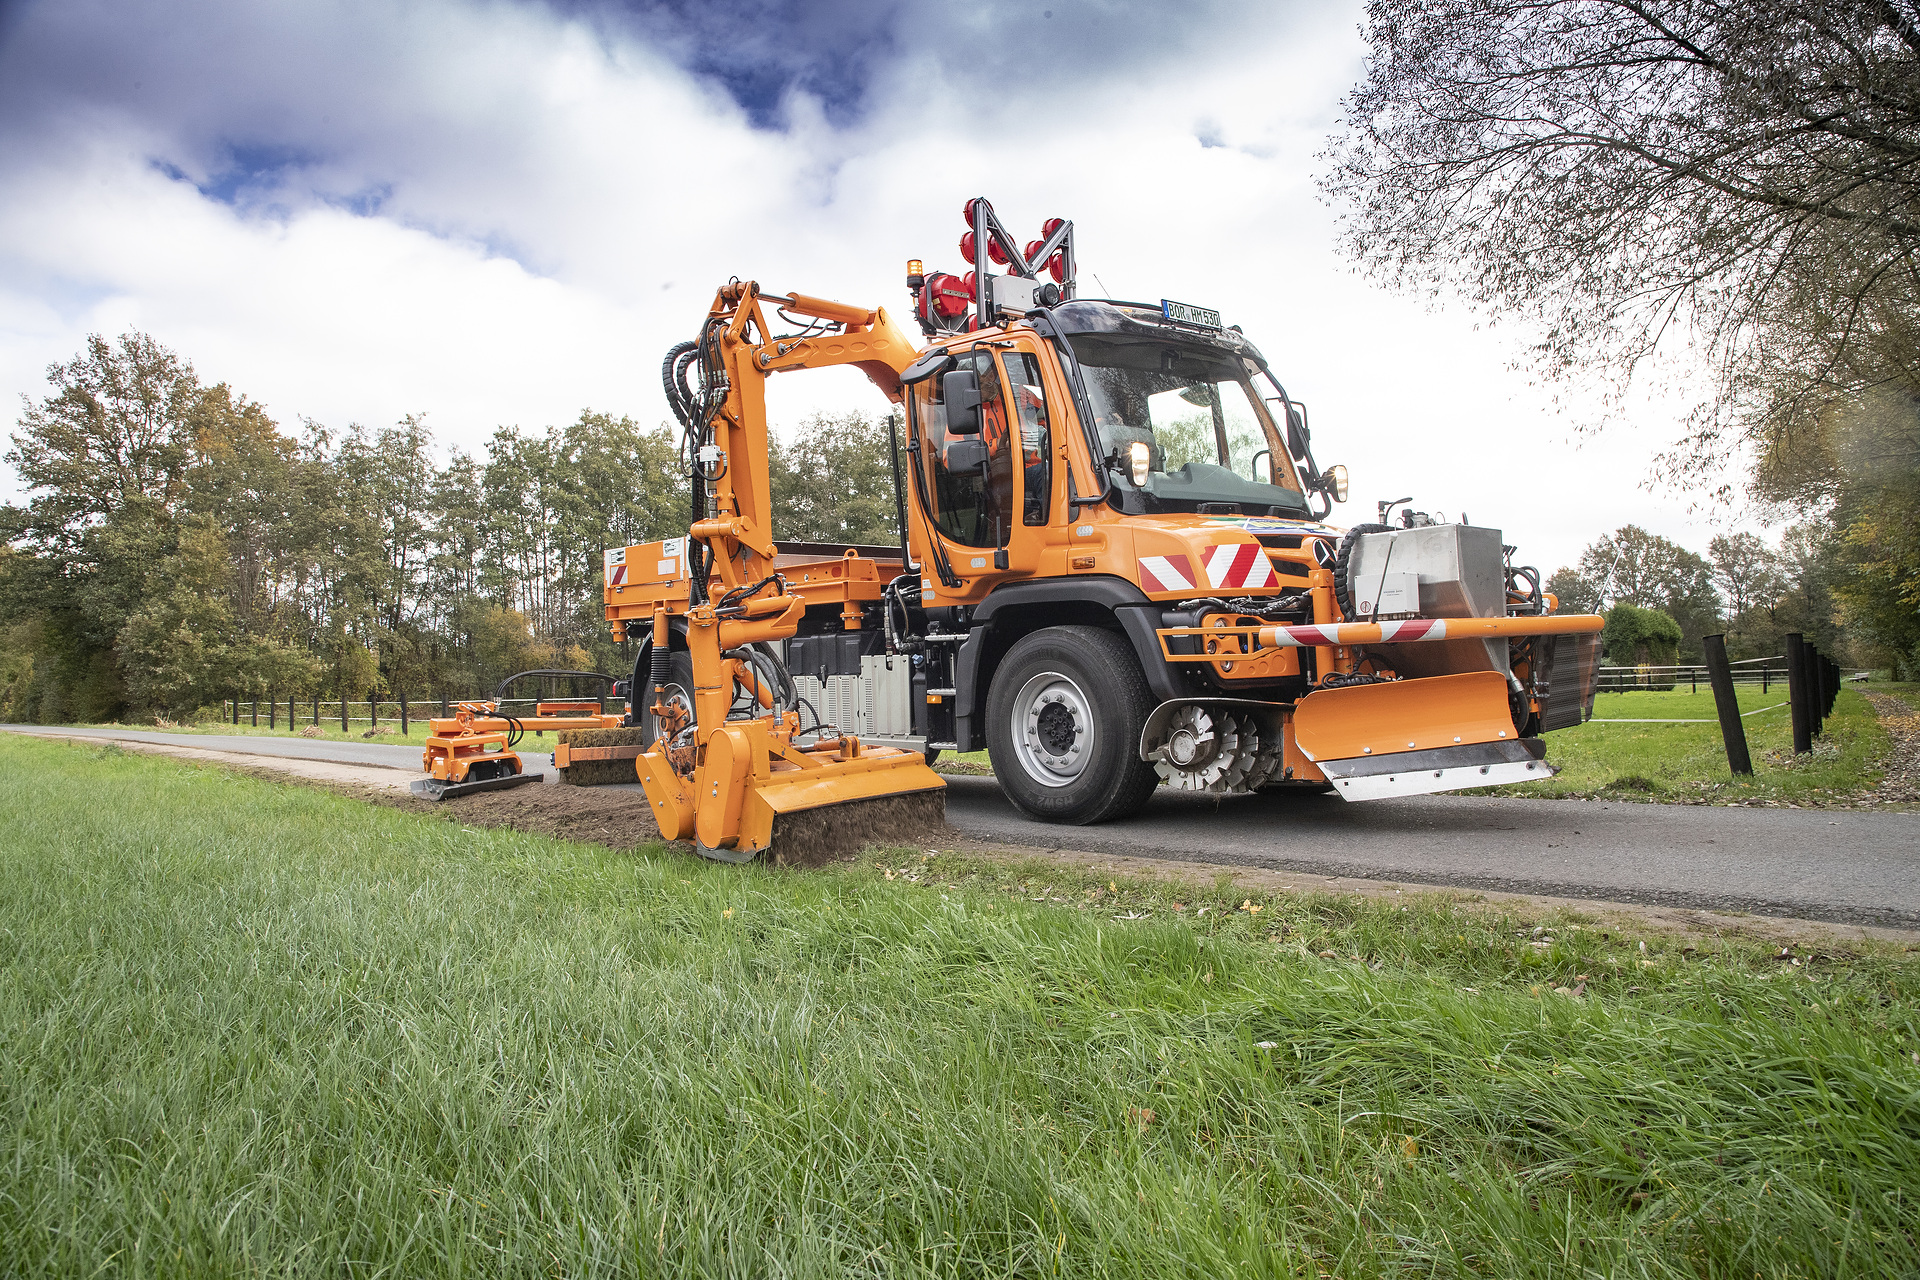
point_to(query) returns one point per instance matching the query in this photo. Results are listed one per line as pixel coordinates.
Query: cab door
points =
(1039, 471)
(963, 457)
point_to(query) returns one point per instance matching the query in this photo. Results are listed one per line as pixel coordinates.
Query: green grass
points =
(248, 1028)
(1689, 761)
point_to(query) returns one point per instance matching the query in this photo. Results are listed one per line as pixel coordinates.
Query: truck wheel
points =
(1063, 726)
(679, 690)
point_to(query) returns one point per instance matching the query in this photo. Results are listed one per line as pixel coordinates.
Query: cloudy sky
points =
(503, 211)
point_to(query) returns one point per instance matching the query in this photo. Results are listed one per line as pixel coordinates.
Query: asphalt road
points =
(1839, 865)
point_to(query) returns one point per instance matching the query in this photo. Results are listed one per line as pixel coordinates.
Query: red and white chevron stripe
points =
(1307, 635)
(1166, 573)
(616, 574)
(1238, 565)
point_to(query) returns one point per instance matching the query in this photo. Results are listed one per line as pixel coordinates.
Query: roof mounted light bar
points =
(988, 234)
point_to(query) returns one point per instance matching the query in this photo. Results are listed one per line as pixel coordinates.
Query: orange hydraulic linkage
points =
(723, 777)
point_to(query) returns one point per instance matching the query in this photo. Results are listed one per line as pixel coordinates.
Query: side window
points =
(972, 500)
(1029, 398)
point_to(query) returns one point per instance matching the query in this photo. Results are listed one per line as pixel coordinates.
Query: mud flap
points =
(433, 789)
(1415, 737)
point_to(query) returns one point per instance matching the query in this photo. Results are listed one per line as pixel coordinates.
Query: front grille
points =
(1285, 541)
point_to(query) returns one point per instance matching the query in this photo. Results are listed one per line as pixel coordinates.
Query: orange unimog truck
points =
(1114, 574)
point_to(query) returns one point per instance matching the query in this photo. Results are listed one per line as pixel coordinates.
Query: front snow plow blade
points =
(1416, 737)
(434, 789)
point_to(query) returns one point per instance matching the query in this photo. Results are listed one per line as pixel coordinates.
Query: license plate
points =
(1186, 314)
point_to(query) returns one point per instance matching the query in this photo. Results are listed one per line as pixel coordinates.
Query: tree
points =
(179, 548)
(115, 434)
(1742, 177)
(1635, 567)
(1746, 570)
(1576, 592)
(1638, 637)
(834, 483)
(103, 459)
(1859, 463)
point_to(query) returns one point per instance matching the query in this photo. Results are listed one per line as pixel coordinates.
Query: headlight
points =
(1334, 482)
(1139, 459)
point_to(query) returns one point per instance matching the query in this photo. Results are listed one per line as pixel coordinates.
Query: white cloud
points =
(496, 215)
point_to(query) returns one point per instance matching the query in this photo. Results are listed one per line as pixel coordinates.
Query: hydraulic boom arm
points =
(729, 779)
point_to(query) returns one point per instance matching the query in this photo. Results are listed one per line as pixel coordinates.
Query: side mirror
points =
(1297, 433)
(961, 390)
(966, 455)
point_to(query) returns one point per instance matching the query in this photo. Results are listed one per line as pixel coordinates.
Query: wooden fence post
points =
(1799, 697)
(1732, 732)
(1817, 684)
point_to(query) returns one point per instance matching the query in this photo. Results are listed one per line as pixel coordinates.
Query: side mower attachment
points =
(434, 789)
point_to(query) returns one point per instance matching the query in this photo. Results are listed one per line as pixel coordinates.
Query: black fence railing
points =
(273, 712)
(1765, 674)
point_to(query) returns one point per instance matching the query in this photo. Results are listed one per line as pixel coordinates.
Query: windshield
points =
(1209, 435)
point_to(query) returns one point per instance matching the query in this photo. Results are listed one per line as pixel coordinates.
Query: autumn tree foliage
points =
(177, 547)
(1730, 184)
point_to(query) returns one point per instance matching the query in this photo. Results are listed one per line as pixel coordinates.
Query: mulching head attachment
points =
(814, 837)
(433, 789)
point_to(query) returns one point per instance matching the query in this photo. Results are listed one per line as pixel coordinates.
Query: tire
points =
(1063, 726)
(1342, 561)
(679, 687)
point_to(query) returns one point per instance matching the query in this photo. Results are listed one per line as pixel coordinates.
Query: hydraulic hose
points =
(673, 380)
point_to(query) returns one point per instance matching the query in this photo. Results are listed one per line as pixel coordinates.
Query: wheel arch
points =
(1018, 609)
(643, 659)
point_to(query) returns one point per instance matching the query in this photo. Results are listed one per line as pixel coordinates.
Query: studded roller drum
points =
(1215, 750)
(1063, 726)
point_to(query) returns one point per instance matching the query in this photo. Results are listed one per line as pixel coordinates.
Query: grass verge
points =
(1615, 757)
(252, 1028)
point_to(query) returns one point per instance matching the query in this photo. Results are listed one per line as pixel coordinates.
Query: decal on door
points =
(1241, 565)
